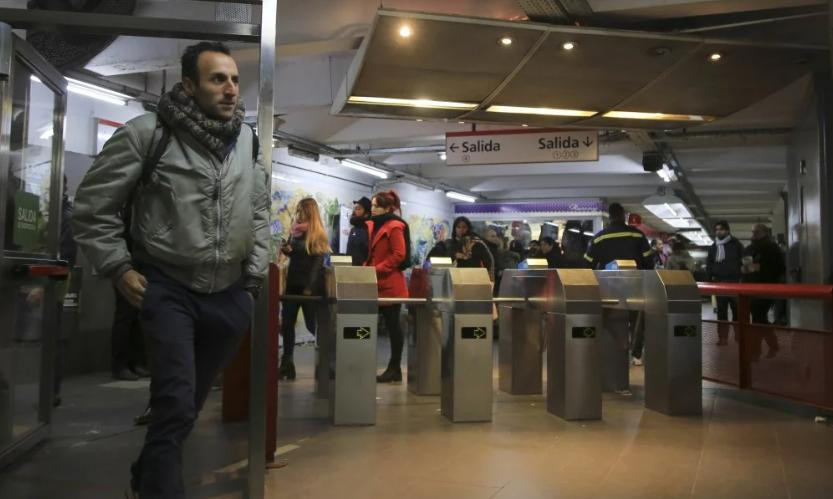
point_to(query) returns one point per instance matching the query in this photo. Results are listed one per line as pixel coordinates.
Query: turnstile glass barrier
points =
(521, 341)
(425, 329)
(623, 296)
(32, 105)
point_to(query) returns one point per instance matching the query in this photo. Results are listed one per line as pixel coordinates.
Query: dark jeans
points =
(390, 314)
(126, 343)
(724, 303)
(190, 338)
(760, 311)
(289, 316)
(636, 325)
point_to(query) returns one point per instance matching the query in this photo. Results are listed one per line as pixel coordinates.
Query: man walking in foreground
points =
(200, 227)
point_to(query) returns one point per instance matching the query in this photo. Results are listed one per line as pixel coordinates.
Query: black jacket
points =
(358, 242)
(729, 269)
(305, 272)
(480, 255)
(555, 260)
(769, 256)
(619, 242)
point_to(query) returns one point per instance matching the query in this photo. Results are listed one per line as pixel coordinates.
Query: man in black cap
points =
(357, 242)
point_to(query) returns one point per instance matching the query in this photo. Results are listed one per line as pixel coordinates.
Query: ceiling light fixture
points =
(667, 174)
(355, 165)
(93, 91)
(506, 41)
(278, 176)
(632, 115)
(524, 125)
(419, 119)
(568, 45)
(443, 156)
(460, 196)
(405, 31)
(421, 103)
(546, 111)
(716, 56)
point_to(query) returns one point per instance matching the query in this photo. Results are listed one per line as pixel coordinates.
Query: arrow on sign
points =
(453, 147)
(588, 142)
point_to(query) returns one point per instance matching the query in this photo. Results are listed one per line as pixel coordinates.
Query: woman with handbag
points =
(306, 248)
(390, 254)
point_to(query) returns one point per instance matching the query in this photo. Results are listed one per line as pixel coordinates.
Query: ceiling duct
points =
(72, 50)
(556, 11)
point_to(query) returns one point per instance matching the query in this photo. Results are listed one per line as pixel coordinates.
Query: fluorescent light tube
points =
(278, 176)
(669, 210)
(683, 223)
(421, 103)
(632, 115)
(93, 91)
(355, 165)
(461, 197)
(546, 111)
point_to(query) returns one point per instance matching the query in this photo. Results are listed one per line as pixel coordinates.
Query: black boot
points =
(287, 369)
(393, 374)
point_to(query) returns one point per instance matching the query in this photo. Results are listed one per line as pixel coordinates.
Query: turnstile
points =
(623, 296)
(350, 360)
(574, 382)
(465, 301)
(673, 344)
(425, 338)
(520, 345)
(325, 334)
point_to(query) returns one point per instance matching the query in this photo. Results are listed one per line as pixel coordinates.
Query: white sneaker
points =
(637, 361)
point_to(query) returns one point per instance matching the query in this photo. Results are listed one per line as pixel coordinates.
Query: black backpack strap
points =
(152, 159)
(255, 144)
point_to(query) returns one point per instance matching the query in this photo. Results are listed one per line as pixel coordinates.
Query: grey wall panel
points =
(809, 196)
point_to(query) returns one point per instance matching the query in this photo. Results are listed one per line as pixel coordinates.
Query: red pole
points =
(744, 373)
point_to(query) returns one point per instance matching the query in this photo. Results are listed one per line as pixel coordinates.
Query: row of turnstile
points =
(579, 317)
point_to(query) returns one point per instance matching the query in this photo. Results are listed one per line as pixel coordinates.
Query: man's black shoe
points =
(391, 375)
(144, 419)
(125, 374)
(141, 372)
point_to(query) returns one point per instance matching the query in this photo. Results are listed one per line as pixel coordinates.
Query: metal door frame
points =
(12, 49)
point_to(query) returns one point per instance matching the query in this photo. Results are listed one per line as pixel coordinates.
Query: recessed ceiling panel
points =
(679, 81)
(597, 74)
(742, 76)
(439, 60)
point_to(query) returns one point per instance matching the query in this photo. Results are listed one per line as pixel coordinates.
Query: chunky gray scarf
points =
(179, 110)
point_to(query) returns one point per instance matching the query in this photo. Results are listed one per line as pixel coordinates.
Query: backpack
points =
(149, 164)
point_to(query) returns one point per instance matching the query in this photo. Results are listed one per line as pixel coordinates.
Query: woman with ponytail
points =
(390, 254)
(306, 248)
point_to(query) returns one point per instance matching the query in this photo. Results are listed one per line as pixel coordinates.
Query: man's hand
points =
(132, 286)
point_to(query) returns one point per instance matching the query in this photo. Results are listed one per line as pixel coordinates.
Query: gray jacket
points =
(201, 221)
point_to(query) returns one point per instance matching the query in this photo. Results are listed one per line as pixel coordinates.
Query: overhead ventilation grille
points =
(232, 12)
(556, 11)
(543, 10)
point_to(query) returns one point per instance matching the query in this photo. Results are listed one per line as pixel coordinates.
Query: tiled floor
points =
(742, 446)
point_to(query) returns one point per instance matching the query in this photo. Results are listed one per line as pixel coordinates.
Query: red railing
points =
(797, 363)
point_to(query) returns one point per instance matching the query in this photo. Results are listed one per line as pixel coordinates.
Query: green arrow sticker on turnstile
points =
(356, 333)
(584, 332)
(474, 333)
(685, 331)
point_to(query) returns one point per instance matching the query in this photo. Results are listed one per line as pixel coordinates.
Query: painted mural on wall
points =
(426, 230)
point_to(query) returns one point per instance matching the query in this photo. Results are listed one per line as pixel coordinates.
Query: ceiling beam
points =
(113, 25)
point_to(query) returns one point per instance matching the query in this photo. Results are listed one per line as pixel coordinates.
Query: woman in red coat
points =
(390, 254)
